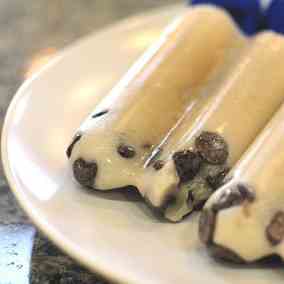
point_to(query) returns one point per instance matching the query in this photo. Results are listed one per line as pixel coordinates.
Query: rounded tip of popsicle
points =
(211, 12)
(207, 8)
(207, 226)
(269, 37)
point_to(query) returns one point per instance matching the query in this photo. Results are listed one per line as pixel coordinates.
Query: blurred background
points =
(31, 32)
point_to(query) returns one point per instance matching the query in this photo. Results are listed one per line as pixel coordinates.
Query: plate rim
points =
(45, 227)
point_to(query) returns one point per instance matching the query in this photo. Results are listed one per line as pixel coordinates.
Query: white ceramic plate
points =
(111, 235)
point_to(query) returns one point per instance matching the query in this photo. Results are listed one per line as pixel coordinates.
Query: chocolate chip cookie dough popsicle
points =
(211, 138)
(111, 147)
(244, 219)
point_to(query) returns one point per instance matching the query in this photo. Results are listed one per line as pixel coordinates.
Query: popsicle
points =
(244, 220)
(112, 146)
(212, 137)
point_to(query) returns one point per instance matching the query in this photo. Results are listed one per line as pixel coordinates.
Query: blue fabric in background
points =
(274, 16)
(249, 15)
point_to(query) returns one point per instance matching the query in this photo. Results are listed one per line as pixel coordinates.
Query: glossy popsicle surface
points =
(114, 146)
(254, 228)
(237, 110)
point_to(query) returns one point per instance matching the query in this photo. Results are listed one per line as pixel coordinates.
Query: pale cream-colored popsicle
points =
(112, 147)
(245, 101)
(251, 226)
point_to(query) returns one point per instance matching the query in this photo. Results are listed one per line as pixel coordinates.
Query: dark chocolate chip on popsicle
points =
(275, 230)
(158, 165)
(85, 172)
(212, 147)
(187, 164)
(126, 151)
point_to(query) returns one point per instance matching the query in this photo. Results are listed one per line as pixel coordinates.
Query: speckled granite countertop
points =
(29, 29)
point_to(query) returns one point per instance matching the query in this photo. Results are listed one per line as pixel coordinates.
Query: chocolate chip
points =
(99, 113)
(246, 193)
(85, 172)
(233, 196)
(126, 151)
(216, 180)
(158, 165)
(187, 164)
(275, 230)
(223, 253)
(207, 226)
(212, 147)
(76, 138)
(147, 146)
